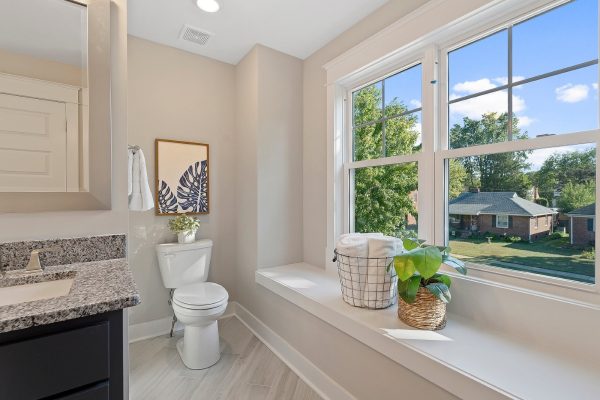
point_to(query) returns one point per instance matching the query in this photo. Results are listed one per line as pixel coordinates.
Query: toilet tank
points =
(182, 264)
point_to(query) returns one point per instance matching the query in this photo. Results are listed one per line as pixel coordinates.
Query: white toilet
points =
(197, 304)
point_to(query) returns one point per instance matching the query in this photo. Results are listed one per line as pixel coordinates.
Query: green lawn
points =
(548, 257)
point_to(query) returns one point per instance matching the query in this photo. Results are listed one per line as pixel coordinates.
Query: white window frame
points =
(502, 226)
(361, 65)
(444, 154)
(350, 166)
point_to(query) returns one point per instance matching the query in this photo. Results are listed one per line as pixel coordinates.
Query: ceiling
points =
(295, 27)
(52, 29)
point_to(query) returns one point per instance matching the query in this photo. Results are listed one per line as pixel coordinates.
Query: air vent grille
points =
(194, 35)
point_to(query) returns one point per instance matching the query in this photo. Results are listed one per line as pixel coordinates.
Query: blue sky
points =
(565, 36)
(562, 37)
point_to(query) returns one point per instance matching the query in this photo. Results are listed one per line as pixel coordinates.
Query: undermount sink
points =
(35, 291)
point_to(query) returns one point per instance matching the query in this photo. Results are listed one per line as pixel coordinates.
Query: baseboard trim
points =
(320, 382)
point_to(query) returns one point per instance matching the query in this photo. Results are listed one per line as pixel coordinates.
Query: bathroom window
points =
(485, 143)
(382, 172)
(521, 144)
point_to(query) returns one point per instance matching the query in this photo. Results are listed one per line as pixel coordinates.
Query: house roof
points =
(495, 203)
(584, 211)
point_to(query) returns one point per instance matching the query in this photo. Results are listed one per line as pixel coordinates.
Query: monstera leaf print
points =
(192, 191)
(167, 202)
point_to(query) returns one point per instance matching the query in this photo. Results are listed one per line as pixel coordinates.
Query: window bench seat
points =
(468, 360)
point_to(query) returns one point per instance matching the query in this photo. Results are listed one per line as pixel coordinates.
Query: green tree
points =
(575, 195)
(384, 196)
(577, 167)
(492, 172)
(458, 178)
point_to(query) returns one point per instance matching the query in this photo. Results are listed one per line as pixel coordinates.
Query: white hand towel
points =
(130, 155)
(140, 198)
(352, 251)
(380, 286)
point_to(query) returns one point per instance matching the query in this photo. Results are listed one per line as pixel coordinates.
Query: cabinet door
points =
(33, 145)
(48, 365)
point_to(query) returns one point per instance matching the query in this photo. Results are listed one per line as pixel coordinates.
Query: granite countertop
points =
(98, 287)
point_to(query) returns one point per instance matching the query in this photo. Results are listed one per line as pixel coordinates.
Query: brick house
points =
(582, 225)
(501, 213)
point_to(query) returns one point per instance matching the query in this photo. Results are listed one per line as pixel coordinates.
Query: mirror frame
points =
(99, 195)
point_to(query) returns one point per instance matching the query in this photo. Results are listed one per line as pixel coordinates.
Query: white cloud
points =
(595, 85)
(470, 87)
(525, 121)
(570, 93)
(496, 102)
(414, 103)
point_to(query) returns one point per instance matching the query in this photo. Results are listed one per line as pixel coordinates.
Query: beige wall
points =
(38, 68)
(269, 215)
(315, 123)
(31, 226)
(177, 95)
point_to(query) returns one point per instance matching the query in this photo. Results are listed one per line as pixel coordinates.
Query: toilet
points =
(197, 303)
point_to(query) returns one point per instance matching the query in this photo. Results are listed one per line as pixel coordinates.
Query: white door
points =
(33, 145)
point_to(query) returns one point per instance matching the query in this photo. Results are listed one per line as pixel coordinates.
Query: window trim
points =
(502, 226)
(372, 59)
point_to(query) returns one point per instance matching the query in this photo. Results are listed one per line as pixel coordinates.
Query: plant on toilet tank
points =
(185, 227)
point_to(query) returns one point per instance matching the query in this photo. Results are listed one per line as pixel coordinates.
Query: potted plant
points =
(185, 227)
(423, 292)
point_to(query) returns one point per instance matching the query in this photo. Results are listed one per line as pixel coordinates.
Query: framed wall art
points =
(181, 177)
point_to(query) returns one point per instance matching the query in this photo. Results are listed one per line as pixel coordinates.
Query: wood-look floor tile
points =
(248, 370)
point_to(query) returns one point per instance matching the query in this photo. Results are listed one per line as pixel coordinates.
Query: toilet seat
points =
(200, 296)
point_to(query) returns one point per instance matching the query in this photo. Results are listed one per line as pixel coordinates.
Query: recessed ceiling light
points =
(210, 6)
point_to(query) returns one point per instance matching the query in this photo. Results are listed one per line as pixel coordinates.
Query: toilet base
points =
(199, 347)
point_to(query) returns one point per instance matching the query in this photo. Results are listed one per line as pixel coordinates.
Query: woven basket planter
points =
(427, 312)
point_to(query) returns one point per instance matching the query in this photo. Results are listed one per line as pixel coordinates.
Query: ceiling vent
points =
(194, 35)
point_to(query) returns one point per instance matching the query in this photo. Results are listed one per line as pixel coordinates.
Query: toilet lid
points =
(200, 295)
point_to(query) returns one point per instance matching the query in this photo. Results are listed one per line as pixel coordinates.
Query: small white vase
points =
(186, 237)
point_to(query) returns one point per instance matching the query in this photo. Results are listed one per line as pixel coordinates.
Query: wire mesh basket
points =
(367, 282)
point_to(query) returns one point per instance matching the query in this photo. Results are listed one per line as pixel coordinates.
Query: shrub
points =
(556, 235)
(513, 239)
(589, 254)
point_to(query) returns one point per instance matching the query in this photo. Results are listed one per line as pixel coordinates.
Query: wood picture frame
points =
(182, 184)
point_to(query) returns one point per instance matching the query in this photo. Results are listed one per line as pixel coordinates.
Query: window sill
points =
(465, 359)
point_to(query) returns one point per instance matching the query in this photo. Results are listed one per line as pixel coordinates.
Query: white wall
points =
(177, 95)
(31, 226)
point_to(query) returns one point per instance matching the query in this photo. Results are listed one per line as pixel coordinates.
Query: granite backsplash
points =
(15, 255)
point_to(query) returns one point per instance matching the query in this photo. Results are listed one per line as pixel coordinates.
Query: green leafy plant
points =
(589, 254)
(183, 223)
(419, 267)
(512, 239)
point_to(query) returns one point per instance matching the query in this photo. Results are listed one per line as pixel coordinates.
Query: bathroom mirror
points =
(55, 137)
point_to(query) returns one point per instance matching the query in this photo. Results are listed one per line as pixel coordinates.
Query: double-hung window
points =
(382, 167)
(521, 139)
(512, 131)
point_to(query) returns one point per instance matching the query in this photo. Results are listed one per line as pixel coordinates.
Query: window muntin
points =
(502, 192)
(386, 116)
(502, 221)
(535, 101)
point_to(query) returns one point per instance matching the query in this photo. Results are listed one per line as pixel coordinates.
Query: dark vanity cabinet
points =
(79, 359)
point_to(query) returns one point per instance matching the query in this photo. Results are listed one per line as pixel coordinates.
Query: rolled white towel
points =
(353, 249)
(380, 286)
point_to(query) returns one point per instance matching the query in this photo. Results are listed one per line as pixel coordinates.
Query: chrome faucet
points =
(34, 264)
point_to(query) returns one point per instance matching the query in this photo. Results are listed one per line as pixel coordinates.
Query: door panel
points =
(33, 149)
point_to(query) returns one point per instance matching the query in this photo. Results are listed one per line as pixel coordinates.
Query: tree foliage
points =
(576, 167)
(575, 195)
(384, 196)
(501, 172)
